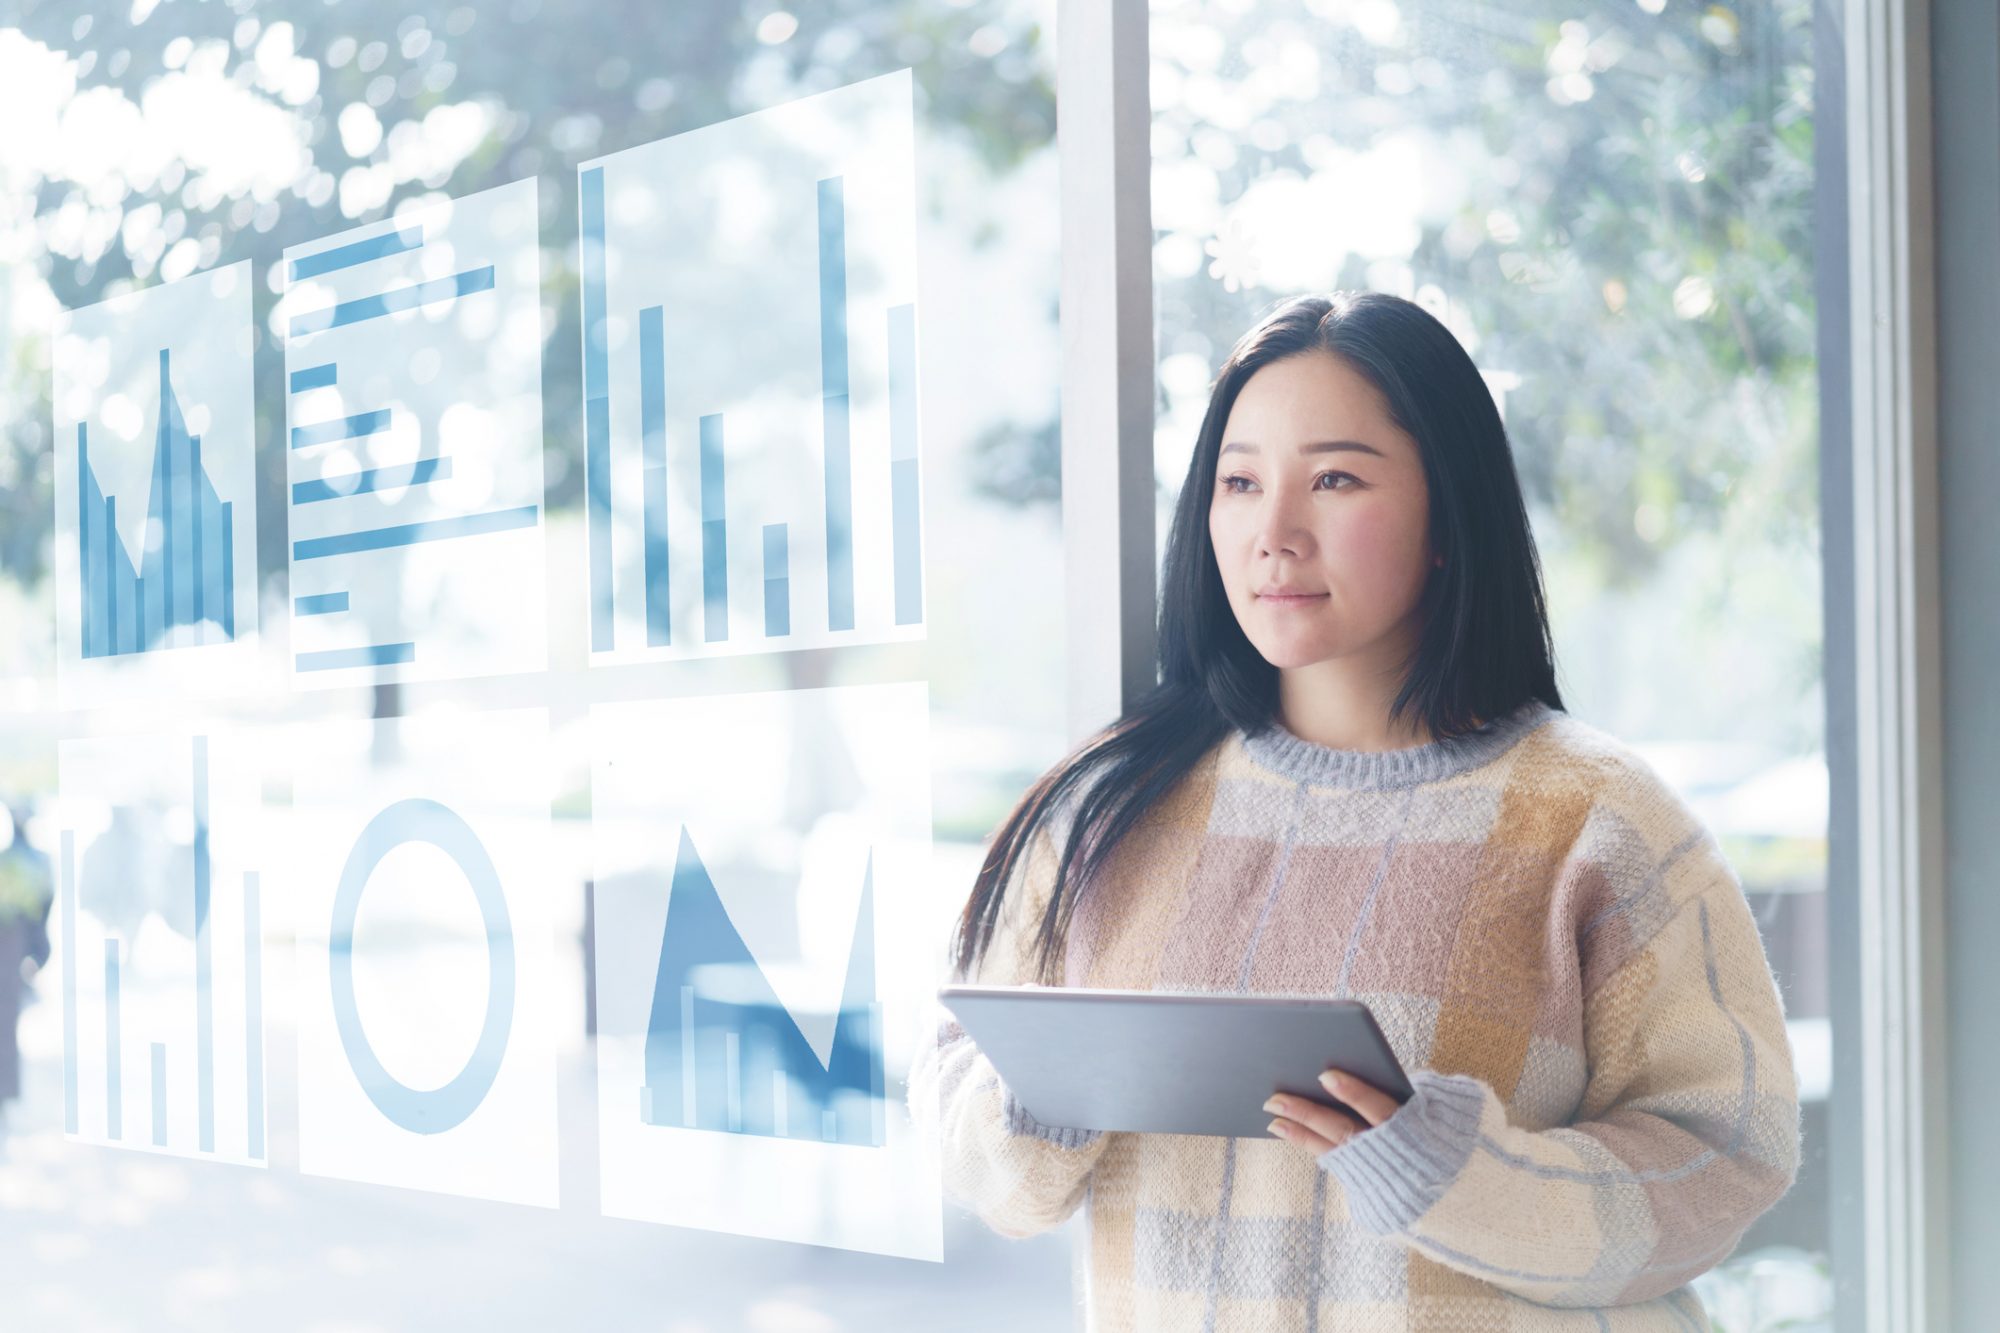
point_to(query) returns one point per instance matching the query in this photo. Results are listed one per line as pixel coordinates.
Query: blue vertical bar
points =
(69, 979)
(714, 534)
(180, 507)
(777, 581)
(596, 410)
(732, 1074)
(114, 1081)
(229, 569)
(253, 1014)
(204, 960)
(653, 454)
(905, 496)
(214, 542)
(197, 566)
(833, 405)
(690, 1107)
(156, 585)
(130, 610)
(88, 598)
(159, 1095)
(110, 560)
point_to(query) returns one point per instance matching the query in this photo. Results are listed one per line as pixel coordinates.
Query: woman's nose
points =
(1281, 528)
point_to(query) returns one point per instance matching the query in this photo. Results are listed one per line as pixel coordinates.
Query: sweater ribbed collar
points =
(1277, 749)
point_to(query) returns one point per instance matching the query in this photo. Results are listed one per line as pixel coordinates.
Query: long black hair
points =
(1484, 648)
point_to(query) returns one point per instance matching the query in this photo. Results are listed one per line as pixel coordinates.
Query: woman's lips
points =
(1290, 598)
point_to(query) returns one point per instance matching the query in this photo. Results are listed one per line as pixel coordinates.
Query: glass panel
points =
(480, 485)
(1611, 204)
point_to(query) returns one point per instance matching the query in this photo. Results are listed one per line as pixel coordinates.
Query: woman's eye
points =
(1229, 483)
(1346, 475)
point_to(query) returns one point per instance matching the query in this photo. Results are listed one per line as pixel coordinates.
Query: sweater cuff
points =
(1393, 1172)
(1021, 1123)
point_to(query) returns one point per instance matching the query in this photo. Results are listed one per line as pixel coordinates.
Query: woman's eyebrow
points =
(1316, 447)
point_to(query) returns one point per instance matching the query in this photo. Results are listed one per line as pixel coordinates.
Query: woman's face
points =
(1320, 517)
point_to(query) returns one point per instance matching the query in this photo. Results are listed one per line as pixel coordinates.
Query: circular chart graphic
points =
(424, 1110)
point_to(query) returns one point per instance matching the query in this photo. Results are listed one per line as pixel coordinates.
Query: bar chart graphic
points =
(752, 461)
(413, 445)
(737, 1061)
(155, 496)
(418, 861)
(160, 945)
(755, 857)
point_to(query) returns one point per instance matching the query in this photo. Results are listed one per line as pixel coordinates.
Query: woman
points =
(1355, 778)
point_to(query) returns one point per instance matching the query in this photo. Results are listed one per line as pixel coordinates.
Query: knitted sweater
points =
(1557, 951)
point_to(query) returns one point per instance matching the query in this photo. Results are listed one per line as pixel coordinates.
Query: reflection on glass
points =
(415, 445)
(416, 856)
(155, 505)
(758, 964)
(156, 912)
(749, 366)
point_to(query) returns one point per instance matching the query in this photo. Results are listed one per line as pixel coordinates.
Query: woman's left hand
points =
(1308, 1125)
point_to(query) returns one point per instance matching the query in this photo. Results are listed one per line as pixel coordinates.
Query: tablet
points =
(1169, 1062)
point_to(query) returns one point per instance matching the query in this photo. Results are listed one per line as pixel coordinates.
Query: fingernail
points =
(1330, 1079)
(1273, 1105)
(1277, 1127)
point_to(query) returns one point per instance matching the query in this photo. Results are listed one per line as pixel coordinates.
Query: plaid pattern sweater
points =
(1556, 949)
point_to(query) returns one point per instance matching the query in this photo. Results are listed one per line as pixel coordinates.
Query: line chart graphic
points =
(756, 857)
(160, 946)
(155, 494)
(184, 579)
(752, 462)
(413, 444)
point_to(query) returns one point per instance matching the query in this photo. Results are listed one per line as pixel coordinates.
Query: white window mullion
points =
(1897, 670)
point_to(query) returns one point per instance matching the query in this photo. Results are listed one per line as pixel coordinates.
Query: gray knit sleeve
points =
(1395, 1171)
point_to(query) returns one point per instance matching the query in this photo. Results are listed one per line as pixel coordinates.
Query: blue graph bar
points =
(69, 980)
(653, 455)
(905, 506)
(186, 578)
(312, 377)
(358, 252)
(714, 533)
(253, 1013)
(91, 573)
(833, 405)
(381, 654)
(228, 569)
(394, 300)
(204, 975)
(114, 1056)
(406, 534)
(596, 409)
(159, 1095)
(341, 428)
(319, 603)
(777, 581)
(420, 473)
(191, 575)
(173, 446)
(113, 582)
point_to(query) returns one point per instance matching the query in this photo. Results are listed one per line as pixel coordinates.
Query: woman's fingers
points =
(1371, 1103)
(1308, 1124)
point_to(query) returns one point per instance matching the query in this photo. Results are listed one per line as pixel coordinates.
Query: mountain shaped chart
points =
(724, 1052)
